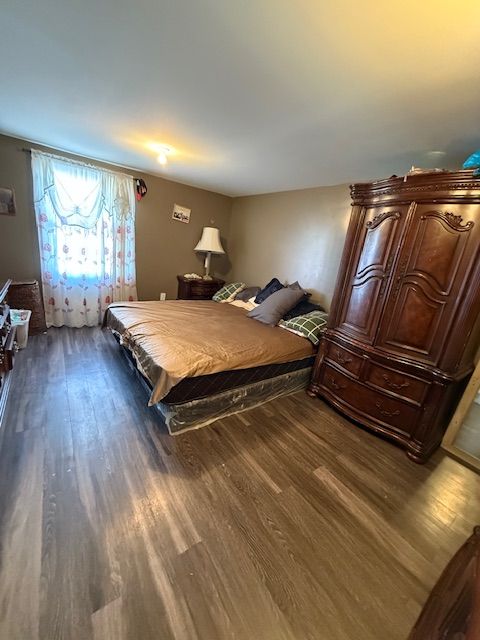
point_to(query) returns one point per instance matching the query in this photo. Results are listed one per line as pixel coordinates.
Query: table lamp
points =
(209, 243)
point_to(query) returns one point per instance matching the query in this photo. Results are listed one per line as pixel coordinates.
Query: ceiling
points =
(253, 96)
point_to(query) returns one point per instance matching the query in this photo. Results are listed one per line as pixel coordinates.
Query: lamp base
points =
(207, 265)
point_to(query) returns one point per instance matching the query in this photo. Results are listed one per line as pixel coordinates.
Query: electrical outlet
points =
(163, 296)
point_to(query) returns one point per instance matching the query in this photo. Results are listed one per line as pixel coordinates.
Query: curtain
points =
(86, 233)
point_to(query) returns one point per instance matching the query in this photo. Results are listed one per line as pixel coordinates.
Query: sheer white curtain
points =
(86, 233)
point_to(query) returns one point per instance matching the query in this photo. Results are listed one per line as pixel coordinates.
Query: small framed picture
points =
(7, 201)
(182, 214)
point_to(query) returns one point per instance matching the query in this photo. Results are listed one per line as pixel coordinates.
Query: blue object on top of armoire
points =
(473, 162)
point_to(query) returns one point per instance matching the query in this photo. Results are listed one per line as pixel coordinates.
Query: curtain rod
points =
(79, 162)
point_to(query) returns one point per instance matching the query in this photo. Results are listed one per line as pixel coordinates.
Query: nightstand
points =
(197, 289)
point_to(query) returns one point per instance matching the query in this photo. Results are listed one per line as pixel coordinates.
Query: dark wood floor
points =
(285, 522)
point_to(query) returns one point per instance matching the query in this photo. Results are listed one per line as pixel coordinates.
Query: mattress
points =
(192, 411)
(177, 340)
(203, 386)
(194, 414)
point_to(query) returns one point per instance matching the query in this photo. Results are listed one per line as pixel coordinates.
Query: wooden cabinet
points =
(7, 345)
(404, 323)
(453, 606)
(435, 263)
(376, 246)
(197, 289)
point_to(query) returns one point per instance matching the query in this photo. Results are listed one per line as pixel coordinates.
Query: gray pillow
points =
(247, 293)
(271, 310)
(296, 285)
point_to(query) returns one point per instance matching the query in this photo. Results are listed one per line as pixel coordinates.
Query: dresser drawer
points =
(377, 406)
(7, 350)
(197, 289)
(4, 311)
(394, 382)
(4, 317)
(203, 291)
(345, 359)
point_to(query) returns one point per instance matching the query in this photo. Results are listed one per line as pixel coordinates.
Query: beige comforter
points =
(172, 340)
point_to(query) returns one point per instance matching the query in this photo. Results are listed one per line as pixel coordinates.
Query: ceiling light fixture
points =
(163, 153)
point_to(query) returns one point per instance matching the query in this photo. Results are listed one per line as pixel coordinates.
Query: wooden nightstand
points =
(197, 289)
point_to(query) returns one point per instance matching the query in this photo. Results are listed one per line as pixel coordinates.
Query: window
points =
(86, 224)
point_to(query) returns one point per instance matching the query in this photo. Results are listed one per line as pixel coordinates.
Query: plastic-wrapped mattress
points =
(194, 414)
(229, 392)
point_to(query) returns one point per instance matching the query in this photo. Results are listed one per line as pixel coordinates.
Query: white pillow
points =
(248, 306)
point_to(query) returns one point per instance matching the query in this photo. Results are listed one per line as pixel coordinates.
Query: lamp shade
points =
(210, 241)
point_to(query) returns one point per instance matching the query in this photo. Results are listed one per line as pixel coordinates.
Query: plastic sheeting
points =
(199, 413)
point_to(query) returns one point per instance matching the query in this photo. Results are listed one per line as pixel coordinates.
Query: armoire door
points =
(375, 254)
(439, 251)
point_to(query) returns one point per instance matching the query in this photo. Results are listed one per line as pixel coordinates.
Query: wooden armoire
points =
(404, 323)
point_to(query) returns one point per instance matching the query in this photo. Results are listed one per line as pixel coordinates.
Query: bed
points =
(202, 360)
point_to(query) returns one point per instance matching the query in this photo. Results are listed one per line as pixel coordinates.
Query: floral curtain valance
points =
(86, 230)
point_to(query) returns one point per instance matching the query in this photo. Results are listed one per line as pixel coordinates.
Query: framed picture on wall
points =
(7, 201)
(182, 214)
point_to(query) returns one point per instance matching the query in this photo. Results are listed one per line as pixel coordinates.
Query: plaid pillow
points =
(310, 326)
(228, 292)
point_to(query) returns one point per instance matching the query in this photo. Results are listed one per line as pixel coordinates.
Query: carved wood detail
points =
(336, 385)
(378, 219)
(459, 186)
(386, 412)
(394, 385)
(454, 221)
(340, 358)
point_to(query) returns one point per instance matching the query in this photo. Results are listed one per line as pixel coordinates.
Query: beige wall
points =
(293, 235)
(164, 246)
(19, 257)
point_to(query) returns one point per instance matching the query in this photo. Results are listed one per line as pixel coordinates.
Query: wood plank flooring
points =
(285, 522)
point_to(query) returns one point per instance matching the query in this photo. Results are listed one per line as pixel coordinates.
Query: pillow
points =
(296, 285)
(247, 293)
(268, 289)
(248, 306)
(272, 309)
(228, 292)
(310, 326)
(302, 308)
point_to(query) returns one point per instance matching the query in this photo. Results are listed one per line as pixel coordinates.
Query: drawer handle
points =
(335, 384)
(341, 359)
(394, 385)
(385, 412)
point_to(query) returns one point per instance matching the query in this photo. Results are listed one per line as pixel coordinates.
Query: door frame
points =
(449, 439)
